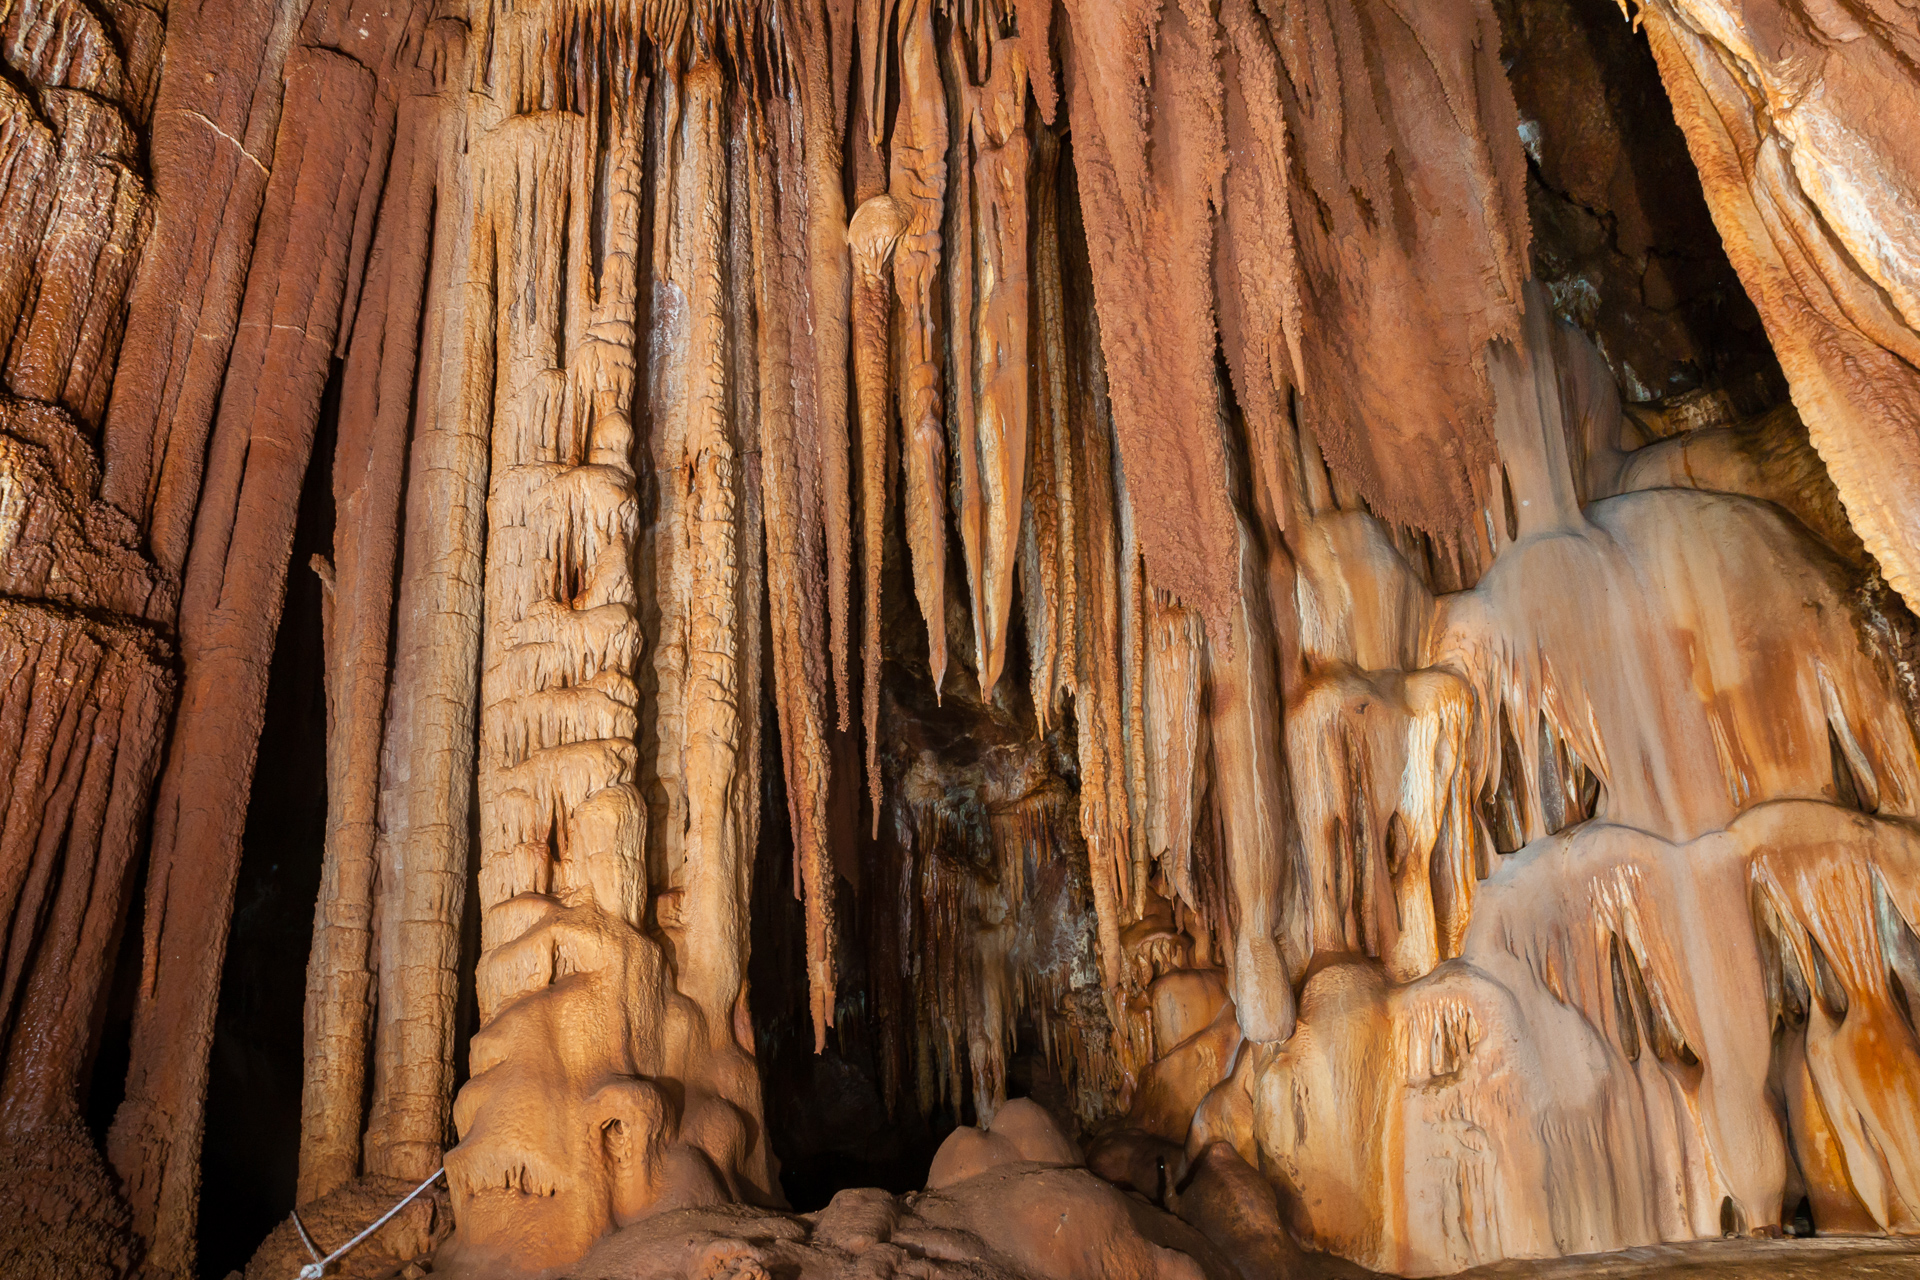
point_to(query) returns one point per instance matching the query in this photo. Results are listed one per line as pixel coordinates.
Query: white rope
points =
(318, 1267)
(305, 1239)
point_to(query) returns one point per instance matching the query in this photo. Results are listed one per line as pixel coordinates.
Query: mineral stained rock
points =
(1332, 672)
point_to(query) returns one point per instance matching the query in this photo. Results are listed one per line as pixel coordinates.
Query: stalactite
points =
(215, 124)
(828, 290)
(1593, 932)
(89, 646)
(1098, 713)
(1440, 277)
(1150, 156)
(75, 688)
(1395, 866)
(84, 702)
(744, 798)
(987, 856)
(918, 180)
(1257, 285)
(1251, 805)
(1837, 920)
(1048, 589)
(376, 423)
(234, 580)
(1033, 22)
(876, 227)
(703, 465)
(964, 497)
(793, 554)
(1175, 686)
(998, 150)
(1135, 590)
(1533, 659)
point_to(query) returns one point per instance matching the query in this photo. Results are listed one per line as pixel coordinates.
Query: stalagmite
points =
(557, 693)
(565, 866)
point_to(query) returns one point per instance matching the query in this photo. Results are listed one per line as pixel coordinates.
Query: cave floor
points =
(1835, 1256)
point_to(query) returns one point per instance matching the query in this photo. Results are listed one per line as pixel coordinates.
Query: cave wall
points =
(1268, 556)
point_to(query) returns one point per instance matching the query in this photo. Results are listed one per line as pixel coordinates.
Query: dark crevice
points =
(1622, 238)
(250, 1158)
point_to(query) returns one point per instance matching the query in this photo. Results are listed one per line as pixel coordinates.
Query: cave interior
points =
(1007, 639)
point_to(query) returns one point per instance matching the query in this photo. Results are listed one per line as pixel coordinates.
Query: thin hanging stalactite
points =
(1049, 589)
(821, 46)
(877, 226)
(1001, 152)
(918, 155)
(793, 551)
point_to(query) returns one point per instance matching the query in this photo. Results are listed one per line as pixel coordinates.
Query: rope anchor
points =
(318, 1267)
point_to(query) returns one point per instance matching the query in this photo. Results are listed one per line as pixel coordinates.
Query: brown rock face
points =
(1799, 123)
(1337, 782)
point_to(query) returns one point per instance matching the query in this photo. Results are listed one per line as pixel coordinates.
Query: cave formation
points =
(959, 638)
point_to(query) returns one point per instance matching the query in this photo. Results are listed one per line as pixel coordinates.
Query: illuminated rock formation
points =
(1191, 632)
